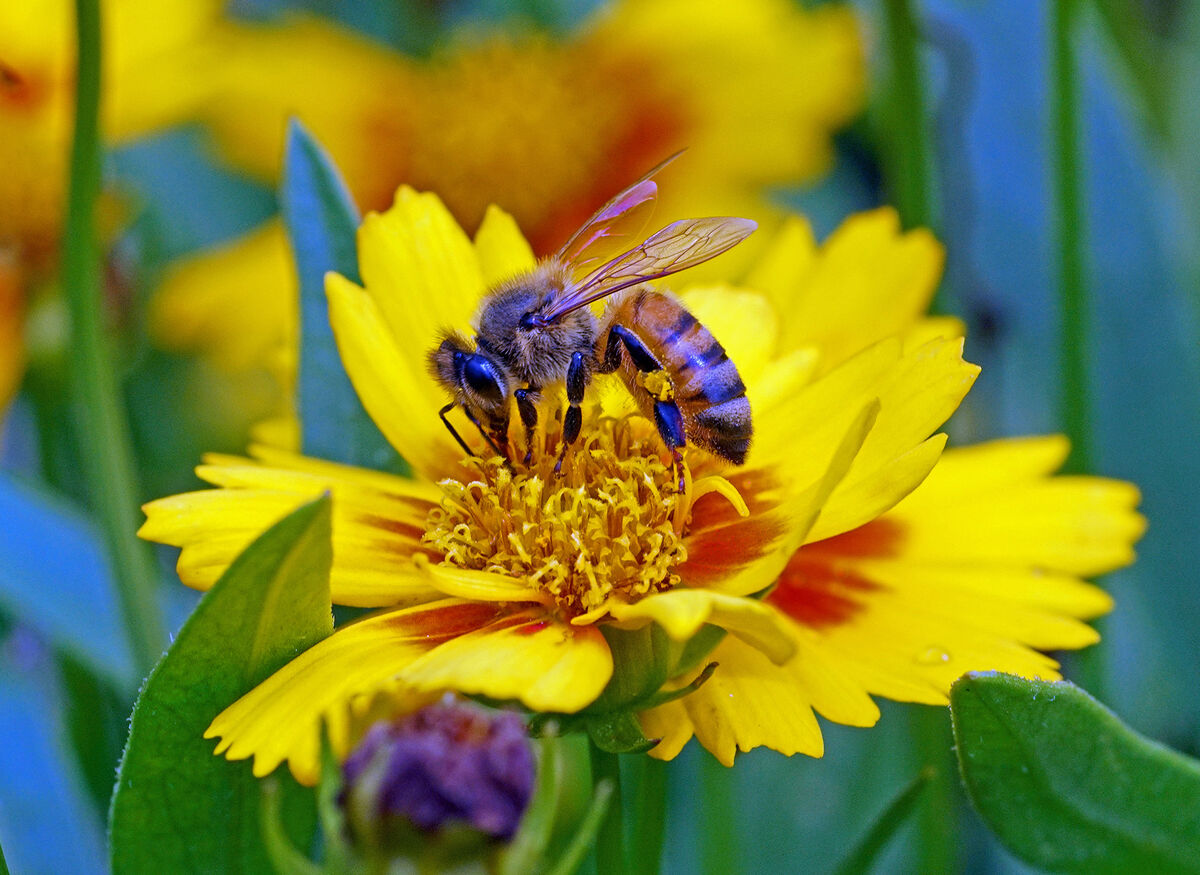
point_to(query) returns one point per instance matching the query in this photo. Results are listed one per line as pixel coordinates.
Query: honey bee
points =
(537, 330)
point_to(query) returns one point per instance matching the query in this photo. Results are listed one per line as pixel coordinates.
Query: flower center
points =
(612, 525)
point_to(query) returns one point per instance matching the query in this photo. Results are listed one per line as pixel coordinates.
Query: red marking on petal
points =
(389, 524)
(444, 622)
(820, 586)
(716, 553)
(879, 539)
(532, 628)
(819, 595)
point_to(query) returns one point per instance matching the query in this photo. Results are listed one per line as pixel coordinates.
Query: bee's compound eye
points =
(481, 375)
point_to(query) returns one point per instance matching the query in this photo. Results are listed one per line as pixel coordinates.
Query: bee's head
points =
(475, 379)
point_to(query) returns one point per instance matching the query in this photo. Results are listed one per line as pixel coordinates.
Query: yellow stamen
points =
(608, 527)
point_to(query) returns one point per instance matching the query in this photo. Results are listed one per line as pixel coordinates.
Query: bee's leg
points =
(642, 358)
(670, 428)
(527, 407)
(667, 416)
(442, 413)
(577, 380)
(491, 442)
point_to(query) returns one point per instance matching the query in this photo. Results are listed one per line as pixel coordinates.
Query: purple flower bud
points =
(448, 764)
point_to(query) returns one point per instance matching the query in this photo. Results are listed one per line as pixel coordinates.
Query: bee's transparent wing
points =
(676, 247)
(613, 225)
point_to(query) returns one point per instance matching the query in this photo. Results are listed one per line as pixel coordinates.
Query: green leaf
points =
(178, 808)
(322, 222)
(1069, 788)
(864, 854)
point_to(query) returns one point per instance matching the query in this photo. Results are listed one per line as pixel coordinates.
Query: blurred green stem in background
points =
(719, 851)
(610, 841)
(908, 154)
(1069, 227)
(102, 430)
(1074, 310)
(649, 813)
(908, 163)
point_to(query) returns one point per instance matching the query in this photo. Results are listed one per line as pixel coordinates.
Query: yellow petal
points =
(483, 586)
(748, 702)
(739, 556)
(670, 724)
(545, 664)
(917, 391)
(421, 270)
(862, 501)
(993, 504)
(868, 281)
(682, 612)
(396, 391)
(281, 718)
(503, 250)
(378, 520)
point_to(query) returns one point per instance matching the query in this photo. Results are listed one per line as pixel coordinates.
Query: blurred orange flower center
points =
(612, 524)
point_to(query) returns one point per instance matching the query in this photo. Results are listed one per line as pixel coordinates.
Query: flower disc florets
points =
(610, 524)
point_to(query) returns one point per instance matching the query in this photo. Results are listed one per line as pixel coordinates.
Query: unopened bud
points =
(444, 767)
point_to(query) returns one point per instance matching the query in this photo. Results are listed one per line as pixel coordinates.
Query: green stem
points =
(911, 183)
(1074, 311)
(938, 817)
(105, 444)
(718, 832)
(1069, 227)
(649, 814)
(610, 841)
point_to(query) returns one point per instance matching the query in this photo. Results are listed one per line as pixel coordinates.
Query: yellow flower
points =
(511, 583)
(154, 74)
(977, 569)
(548, 128)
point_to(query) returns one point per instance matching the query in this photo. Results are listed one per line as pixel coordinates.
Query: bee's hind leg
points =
(577, 380)
(667, 417)
(669, 421)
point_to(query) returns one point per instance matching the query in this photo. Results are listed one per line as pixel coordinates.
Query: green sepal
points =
(619, 732)
(642, 662)
(177, 807)
(1066, 786)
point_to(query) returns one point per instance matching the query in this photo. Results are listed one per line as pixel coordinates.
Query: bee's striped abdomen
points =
(707, 387)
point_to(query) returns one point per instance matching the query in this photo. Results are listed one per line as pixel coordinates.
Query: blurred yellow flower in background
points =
(156, 72)
(547, 128)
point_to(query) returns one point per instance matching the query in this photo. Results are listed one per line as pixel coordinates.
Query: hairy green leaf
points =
(1069, 788)
(178, 808)
(322, 222)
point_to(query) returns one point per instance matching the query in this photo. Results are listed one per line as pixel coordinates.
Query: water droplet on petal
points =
(932, 656)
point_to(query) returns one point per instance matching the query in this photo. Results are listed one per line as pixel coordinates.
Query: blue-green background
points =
(66, 676)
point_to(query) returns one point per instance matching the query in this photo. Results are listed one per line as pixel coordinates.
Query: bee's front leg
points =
(527, 407)
(577, 381)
